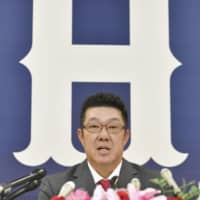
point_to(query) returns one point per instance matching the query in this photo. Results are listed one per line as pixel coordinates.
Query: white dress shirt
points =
(97, 177)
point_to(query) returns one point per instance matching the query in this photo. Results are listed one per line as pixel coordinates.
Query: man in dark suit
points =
(103, 135)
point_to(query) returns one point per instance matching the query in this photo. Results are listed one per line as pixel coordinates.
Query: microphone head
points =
(66, 189)
(168, 176)
(114, 181)
(1, 188)
(136, 183)
(4, 189)
(40, 173)
(166, 173)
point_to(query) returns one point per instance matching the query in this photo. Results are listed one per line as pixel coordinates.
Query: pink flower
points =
(134, 194)
(78, 195)
(111, 194)
(152, 194)
(147, 194)
(99, 193)
(160, 197)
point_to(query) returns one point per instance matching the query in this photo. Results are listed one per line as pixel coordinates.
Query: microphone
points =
(168, 176)
(65, 191)
(1, 188)
(114, 182)
(136, 183)
(134, 186)
(26, 188)
(36, 174)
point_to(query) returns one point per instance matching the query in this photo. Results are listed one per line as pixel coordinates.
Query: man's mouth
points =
(101, 148)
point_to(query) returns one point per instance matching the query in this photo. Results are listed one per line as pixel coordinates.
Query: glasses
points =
(97, 127)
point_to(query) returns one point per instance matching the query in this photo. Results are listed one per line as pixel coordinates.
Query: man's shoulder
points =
(143, 173)
(68, 172)
(64, 175)
(51, 184)
(143, 170)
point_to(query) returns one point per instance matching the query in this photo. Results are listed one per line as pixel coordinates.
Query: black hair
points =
(104, 99)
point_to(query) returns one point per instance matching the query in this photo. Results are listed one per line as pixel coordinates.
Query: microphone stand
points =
(26, 183)
(25, 188)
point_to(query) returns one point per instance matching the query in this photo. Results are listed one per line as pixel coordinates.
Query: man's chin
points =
(104, 161)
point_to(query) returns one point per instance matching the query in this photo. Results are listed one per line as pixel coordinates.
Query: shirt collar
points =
(97, 177)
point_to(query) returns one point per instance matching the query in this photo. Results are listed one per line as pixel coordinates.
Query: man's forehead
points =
(103, 113)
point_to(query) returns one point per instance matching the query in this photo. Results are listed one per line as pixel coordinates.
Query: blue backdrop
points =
(15, 80)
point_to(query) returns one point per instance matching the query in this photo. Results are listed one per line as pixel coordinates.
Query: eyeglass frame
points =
(103, 126)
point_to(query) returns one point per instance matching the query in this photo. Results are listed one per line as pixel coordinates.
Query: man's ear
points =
(80, 135)
(126, 136)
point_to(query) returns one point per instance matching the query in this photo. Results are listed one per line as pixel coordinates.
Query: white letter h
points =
(54, 63)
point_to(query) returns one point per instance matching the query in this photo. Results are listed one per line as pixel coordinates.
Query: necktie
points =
(105, 183)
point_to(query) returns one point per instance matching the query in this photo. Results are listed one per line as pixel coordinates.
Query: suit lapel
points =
(127, 173)
(83, 178)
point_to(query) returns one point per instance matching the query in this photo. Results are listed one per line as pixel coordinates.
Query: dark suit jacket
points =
(82, 177)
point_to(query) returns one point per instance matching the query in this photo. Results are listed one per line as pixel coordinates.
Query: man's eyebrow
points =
(97, 119)
(93, 118)
(114, 118)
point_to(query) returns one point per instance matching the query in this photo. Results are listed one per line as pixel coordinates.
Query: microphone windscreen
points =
(166, 173)
(168, 176)
(136, 183)
(66, 189)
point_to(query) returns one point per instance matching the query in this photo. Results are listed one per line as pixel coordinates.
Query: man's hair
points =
(107, 100)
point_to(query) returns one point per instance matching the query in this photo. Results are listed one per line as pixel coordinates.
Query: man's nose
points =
(103, 133)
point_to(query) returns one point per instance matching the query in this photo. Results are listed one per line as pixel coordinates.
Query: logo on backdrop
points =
(147, 63)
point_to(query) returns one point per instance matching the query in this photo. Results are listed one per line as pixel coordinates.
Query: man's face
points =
(103, 136)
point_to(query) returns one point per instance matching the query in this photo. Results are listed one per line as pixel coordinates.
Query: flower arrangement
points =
(187, 191)
(169, 190)
(129, 193)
